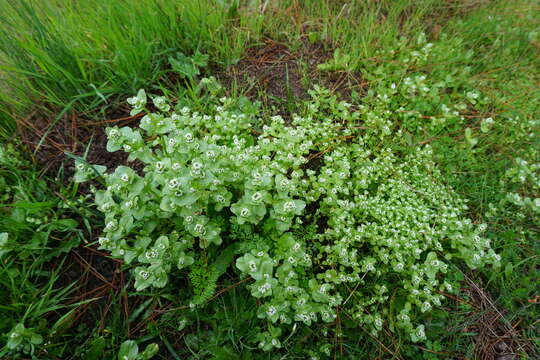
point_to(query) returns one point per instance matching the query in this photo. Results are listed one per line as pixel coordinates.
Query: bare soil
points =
(276, 75)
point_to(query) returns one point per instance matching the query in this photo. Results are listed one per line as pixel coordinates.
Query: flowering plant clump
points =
(525, 176)
(386, 225)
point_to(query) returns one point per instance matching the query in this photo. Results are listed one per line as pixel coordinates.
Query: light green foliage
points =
(188, 67)
(526, 177)
(392, 226)
(129, 350)
(339, 62)
(23, 338)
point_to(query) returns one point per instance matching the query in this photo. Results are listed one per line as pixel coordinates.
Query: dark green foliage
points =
(203, 279)
(35, 232)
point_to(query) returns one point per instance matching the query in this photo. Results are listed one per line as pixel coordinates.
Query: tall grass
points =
(80, 54)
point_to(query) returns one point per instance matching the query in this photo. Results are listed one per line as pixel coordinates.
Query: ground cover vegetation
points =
(273, 180)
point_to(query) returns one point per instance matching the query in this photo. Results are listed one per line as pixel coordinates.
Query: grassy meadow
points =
(459, 76)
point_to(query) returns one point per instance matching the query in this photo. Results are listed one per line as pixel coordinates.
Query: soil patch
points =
(100, 294)
(49, 140)
(280, 77)
(497, 338)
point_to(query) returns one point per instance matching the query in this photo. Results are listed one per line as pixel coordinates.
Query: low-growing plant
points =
(129, 350)
(23, 338)
(525, 177)
(386, 224)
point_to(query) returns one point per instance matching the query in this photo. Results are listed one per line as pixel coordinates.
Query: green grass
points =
(84, 57)
(39, 232)
(79, 55)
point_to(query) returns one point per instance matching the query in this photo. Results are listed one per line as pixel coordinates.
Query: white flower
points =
(244, 212)
(111, 225)
(256, 196)
(420, 332)
(252, 266)
(199, 228)
(404, 317)
(271, 310)
(264, 288)
(106, 207)
(161, 103)
(289, 205)
(113, 133)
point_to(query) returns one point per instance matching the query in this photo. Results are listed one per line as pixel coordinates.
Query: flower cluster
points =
(526, 176)
(385, 226)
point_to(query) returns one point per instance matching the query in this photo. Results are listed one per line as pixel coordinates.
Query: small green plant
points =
(188, 67)
(525, 177)
(339, 62)
(129, 350)
(23, 339)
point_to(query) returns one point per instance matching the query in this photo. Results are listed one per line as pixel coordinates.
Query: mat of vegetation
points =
(269, 180)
